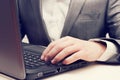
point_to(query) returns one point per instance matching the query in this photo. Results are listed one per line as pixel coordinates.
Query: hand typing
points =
(69, 50)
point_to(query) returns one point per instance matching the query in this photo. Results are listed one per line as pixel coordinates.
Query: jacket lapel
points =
(36, 6)
(74, 10)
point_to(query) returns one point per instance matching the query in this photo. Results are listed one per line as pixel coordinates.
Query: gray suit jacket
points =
(86, 19)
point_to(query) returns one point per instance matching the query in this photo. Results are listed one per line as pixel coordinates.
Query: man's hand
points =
(69, 50)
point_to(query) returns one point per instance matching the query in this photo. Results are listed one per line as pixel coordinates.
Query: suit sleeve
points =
(113, 23)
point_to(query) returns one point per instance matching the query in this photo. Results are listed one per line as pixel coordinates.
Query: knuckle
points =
(58, 47)
(68, 37)
(48, 56)
(66, 50)
(56, 59)
(76, 57)
(52, 44)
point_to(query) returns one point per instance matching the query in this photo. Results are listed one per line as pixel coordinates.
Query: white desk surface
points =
(91, 72)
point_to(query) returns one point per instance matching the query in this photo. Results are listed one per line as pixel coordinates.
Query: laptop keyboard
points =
(32, 60)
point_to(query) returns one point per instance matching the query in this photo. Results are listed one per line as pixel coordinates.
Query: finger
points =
(56, 49)
(51, 45)
(74, 57)
(64, 53)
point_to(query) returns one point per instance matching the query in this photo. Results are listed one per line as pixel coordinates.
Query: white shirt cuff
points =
(109, 52)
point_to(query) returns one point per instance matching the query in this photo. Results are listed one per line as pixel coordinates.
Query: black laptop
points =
(20, 60)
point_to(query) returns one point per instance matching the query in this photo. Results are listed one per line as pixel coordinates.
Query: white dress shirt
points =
(54, 15)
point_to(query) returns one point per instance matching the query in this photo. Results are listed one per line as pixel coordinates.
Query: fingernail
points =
(42, 57)
(46, 59)
(53, 61)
